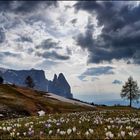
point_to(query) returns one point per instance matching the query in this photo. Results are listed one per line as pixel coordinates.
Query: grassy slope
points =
(27, 102)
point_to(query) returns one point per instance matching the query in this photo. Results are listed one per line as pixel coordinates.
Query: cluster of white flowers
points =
(132, 134)
(109, 134)
(74, 125)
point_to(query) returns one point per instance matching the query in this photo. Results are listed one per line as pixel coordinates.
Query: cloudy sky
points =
(95, 44)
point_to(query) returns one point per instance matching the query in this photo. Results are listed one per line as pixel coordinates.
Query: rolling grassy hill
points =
(20, 101)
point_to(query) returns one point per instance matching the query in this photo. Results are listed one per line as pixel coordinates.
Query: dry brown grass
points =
(25, 99)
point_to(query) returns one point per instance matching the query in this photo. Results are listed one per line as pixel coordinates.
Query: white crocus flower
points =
(50, 132)
(134, 135)
(69, 131)
(62, 132)
(80, 122)
(111, 122)
(4, 128)
(12, 134)
(122, 133)
(91, 131)
(130, 134)
(121, 127)
(9, 128)
(119, 134)
(24, 133)
(74, 129)
(58, 130)
(109, 134)
(108, 126)
(86, 133)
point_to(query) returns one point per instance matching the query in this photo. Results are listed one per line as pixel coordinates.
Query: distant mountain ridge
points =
(58, 86)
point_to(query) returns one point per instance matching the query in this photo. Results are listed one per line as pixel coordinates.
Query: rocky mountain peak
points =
(61, 77)
(59, 85)
(55, 78)
(63, 81)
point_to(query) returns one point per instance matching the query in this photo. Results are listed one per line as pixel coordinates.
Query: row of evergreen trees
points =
(28, 81)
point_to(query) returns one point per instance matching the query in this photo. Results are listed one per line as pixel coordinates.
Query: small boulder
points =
(41, 113)
(1, 115)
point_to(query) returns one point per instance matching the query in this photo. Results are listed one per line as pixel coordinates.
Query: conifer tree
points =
(130, 91)
(29, 82)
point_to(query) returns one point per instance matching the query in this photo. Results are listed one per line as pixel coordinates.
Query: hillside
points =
(18, 101)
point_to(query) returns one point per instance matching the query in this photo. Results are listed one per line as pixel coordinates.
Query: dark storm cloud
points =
(86, 40)
(82, 77)
(69, 51)
(96, 71)
(30, 50)
(49, 44)
(52, 55)
(102, 70)
(94, 78)
(24, 6)
(47, 63)
(117, 82)
(15, 13)
(120, 34)
(74, 21)
(24, 39)
(8, 54)
(2, 35)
